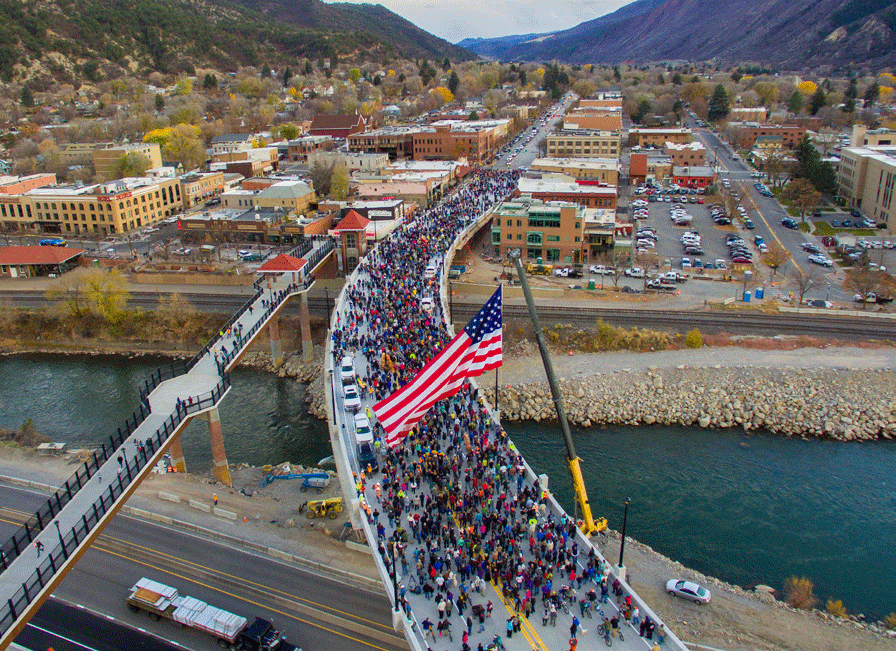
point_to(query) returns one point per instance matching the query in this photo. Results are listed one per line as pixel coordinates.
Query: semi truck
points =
(231, 631)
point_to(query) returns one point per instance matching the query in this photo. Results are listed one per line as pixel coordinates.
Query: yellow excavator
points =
(588, 524)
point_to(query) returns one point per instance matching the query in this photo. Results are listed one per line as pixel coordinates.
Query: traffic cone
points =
(245, 519)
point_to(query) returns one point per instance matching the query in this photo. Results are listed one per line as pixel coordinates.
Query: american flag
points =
(476, 349)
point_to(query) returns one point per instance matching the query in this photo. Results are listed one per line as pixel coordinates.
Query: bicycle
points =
(497, 643)
(607, 638)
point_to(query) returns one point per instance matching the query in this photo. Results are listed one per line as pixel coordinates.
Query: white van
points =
(363, 431)
(430, 272)
(347, 370)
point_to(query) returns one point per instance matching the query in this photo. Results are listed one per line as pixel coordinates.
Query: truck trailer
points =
(231, 631)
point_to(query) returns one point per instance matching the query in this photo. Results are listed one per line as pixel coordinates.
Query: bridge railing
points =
(25, 535)
(233, 319)
(161, 374)
(128, 471)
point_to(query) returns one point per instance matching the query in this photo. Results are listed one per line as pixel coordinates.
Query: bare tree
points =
(650, 263)
(867, 281)
(616, 261)
(802, 195)
(805, 283)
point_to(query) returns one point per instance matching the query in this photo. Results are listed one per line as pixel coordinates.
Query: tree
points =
(864, 280)
(446, 65)
(718, 104)
(736, 76)
(443, 94)
(27, 97)
(160, 103)
(676, 79)
(339, 183)
(795, 103)
(132, 164)
(871, 94)
(798, 593)
(287, 75)
(473, 116)
(819, 99)
(183, 86)
(453, 82)
(802, 195)
(850, 96)
(805, 283)
(289, 131)
(185, 146)
(807, 87)
(89, 289)
(775, 257)
(773, 166)
(209, 81)
(354, 74)
(322, 176)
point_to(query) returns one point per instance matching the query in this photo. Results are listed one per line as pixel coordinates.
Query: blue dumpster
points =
(746, 297)
(760, 292)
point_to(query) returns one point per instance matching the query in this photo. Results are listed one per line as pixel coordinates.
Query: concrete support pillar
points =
(305, 323)
(216, 437)
(177, 455)
(276, 344)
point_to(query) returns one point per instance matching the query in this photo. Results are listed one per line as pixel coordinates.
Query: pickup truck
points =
(672, 277)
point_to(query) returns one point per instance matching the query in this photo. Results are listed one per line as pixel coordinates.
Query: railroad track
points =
(823, 324)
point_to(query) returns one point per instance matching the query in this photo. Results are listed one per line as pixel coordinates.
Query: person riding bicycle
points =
(606, 626)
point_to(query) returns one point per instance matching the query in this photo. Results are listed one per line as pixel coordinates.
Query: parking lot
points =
(669, 247)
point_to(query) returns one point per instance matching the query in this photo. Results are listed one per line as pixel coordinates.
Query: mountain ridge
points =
(790, 34)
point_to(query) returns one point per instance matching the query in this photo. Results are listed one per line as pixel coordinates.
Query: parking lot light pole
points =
(621, 567)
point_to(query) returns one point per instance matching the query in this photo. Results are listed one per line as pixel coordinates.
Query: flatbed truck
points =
(231, 631)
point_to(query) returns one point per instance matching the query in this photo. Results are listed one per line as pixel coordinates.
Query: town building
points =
(550, 231)
(199, 187)
(337, 126)
(253, 226)
(34, 261)
(742, 114)
(114, 207)
(602, 119)
(396, 140)
(300, 149)
(80, 153)
(649, 167)
(574, 143)
(389, 210)
(106, 160)
(475, 141)
(864, 137)
(605, 170)
(602, 100)
(232, 142)
(693, 176)
(422, 193)
(692, 153)
(23, 184)
(352, 233)
(866, 178)
(590, 194)
(352, 161)
(744, 134)
(658, 137)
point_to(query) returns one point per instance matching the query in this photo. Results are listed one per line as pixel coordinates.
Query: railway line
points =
(834, 325)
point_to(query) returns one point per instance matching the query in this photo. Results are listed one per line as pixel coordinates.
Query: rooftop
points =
(692, 170)
(530, 186)
(286, 190)
(580, 163)
(39, 255)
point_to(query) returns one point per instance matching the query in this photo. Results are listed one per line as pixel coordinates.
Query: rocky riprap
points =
(832, 403)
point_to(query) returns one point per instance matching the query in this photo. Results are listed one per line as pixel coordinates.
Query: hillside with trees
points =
(73, 40)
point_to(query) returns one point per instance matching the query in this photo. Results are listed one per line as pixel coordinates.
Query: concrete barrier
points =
(221, 513)
(358, 547)
(169, 497)
(196, 504)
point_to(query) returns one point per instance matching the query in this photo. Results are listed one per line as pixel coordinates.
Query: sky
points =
(455, 20)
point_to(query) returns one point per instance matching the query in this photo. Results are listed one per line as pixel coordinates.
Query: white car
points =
(347, 369)
(351, 399)
(688, 590)
(600, 270)
(562, 272)
(822, 260)
(634, 272)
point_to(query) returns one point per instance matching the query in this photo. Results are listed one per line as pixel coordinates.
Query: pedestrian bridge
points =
(38, 556)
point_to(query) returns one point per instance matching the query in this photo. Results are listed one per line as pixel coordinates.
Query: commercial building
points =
(397, 141)
(106, 160)
(288, 196)
(756, 114)
(583, 144)
(863, 137)
(455, 139)
(232, 142)
(80, 153)
(744, 134)
(301, 148)
(33, 261)
(658, 137)
(352, 161)
(692, 153)
(389, 210)
(589, 194)
(605, 170)
(253, 226)
(866, 178)
(422, 193)
(602, 100)
(551, 231)
(646, 167)
(605, 119)
(199, 187)
(23, 184)
(337, 126)
(108, 208)
(693, 177)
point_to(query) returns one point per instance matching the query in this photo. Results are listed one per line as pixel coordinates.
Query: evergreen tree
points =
(287, 75)
(661, 79)
(453, 82)
(522, 78)
(27, 96)
(849, 103)
(718, 104)
(676, 79)
(446, 64)
(209, 81)
(160, 103)
(265, 71)
(819, 99)
(616, 74)
(871, 95)
(795, 103)
(308, 69)
(736, 76)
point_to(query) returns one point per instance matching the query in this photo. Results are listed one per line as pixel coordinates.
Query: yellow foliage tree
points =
(293, 91)
(184, 86)
(888, 79)
(886, 94)
(443, 93)
(808, 87)
(391, 73)
(158, 136)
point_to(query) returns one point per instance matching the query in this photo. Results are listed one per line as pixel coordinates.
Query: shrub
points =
(694, 339)
(798, 593)
(836, 608)
(890, 621)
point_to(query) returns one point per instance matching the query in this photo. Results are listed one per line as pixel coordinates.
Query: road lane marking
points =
(61, 637)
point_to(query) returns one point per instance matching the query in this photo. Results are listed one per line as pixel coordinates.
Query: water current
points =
(747, 508)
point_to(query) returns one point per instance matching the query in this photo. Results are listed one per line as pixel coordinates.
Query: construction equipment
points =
(320, 508)
(537, 269)
(315, 480)
(588, 525)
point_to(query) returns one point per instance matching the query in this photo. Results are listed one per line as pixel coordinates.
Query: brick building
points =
(692, 153)
(589, 194)
(397, 141)
(649, 168)
(744, 134)
(551, 231)
(693, 177)
(583, 143)
(658, 137)
(337, 126)
(605, 170)
(299, 149)
(198, 187)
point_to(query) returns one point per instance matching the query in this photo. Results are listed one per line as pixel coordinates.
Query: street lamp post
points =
(621, 567)
(61, 541)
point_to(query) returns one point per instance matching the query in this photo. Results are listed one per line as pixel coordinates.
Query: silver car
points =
(688, 590)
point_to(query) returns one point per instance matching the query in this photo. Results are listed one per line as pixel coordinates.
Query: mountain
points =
(174, 35)
(788, 34)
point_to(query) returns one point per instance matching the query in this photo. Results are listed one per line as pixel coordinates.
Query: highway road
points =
(313, 611)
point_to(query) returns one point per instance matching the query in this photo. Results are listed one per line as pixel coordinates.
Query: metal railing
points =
(129, 469)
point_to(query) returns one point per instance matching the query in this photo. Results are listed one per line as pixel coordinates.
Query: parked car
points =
(822, 260)
(688, 590)
(749, 225)
(809, 247)
(634, 272)
(787, 222)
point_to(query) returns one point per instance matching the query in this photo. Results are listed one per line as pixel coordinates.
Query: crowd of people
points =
(453, 504)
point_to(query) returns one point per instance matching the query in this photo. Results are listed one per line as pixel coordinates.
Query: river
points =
(746, 508)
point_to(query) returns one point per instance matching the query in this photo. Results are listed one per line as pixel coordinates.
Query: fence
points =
(71, 539)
